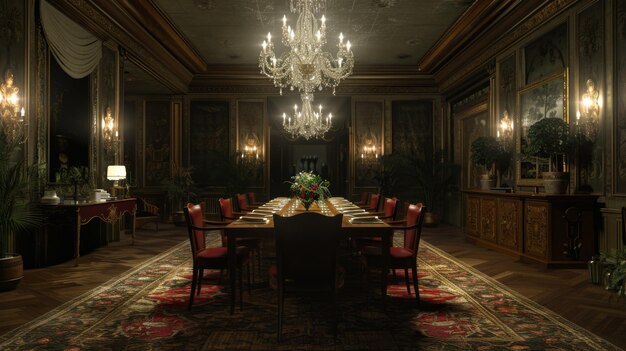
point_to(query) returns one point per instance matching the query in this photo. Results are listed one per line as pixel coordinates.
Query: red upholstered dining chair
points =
(373, 203)
(227, 215)
(306, 258)
(242, 202)
(365, 196)
(209, 257)
(404, 256)
(252, 199)
(389, 214)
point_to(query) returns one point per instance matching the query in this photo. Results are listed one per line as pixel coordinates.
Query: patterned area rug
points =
(146, 309)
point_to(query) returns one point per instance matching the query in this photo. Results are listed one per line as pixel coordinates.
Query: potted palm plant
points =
(485, 152)
(16, 214)
(179, 190)
(550, 138)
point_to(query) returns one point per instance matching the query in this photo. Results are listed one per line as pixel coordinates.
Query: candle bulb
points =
(340, 38)
(284, 116)
(323, 20)
(284, 20)
(269, 37)
(348, 45)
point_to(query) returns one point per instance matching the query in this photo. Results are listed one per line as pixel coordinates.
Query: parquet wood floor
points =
(566, 291)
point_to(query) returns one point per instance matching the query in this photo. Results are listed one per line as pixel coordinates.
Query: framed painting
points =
(544, 99)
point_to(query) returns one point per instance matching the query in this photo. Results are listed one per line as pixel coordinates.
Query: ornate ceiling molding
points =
(232, 79)
(528, 16)
(478, 17)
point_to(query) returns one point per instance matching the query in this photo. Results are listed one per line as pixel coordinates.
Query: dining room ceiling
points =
(382, 32)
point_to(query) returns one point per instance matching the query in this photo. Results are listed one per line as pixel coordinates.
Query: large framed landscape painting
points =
(546, 98)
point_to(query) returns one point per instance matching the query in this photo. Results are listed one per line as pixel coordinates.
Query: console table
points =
(82, 213)
(530, 226)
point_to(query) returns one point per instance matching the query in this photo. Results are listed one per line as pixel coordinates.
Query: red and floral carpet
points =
(146, 309)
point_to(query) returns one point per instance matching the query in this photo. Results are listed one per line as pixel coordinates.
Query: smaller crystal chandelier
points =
(11, 113)
(307, 122)
(306, 66)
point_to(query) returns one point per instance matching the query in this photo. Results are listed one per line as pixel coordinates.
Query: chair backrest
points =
(306, 247)
(226, 209)
(374, 201)
(365, 195)
(193, 215)
(390, 209)
(251, 198)
(414, 218)
(242, 202)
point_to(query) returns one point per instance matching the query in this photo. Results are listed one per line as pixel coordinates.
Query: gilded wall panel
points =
(620, 98)
(250, 139)
(590, 40)
(209, 142)
(368, 131)
(157, 126)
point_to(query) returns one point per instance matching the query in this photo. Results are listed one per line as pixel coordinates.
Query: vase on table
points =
(306, 203)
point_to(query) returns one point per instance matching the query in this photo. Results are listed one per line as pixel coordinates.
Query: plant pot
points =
(431, 219)
(555, 182)
(11, 271)
(487, 182)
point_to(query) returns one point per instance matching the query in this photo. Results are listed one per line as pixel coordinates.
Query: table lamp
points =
(116, 173)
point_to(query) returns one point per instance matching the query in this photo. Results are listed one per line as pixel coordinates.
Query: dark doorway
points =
(327, 157)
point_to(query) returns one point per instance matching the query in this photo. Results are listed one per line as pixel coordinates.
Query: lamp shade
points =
(116, 172)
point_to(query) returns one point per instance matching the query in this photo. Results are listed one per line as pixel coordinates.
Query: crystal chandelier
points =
(306, 67)
(307, 123)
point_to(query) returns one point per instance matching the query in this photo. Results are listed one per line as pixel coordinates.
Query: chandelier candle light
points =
(306, 67)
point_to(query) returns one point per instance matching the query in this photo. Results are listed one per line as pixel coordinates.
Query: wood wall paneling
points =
(158, 144)
(209, 141)
(368, 129)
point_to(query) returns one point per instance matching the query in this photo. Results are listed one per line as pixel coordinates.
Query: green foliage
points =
(308, 186)
(618, 272)
(74, 175)
(486, 151)
(548, 138)
(180, 186)
(419, 177)
(16, 213)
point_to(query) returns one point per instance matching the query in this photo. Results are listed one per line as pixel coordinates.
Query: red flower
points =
(302, 196)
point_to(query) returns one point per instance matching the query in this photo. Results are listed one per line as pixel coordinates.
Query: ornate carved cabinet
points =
(533, 227)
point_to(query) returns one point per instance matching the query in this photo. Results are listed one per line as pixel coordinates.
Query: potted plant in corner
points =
(550, 138)
(485, 152)
(16, 214)
(179, 190)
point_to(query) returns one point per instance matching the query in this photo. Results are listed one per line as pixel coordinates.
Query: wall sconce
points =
(369, 152)
(251, 149)
(506, 127)
(588, 117)
(12, 115)
(109, 133)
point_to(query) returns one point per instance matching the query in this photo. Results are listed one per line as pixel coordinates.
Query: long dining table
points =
(259, 224)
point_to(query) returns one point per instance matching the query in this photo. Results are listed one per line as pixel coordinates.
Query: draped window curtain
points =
(77, 51)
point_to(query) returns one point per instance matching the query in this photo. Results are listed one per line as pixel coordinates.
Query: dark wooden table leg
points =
(385, 266)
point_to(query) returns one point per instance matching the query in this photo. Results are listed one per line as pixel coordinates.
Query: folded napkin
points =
(258, 214)
(352, 211)
(369, 219)
(252, 219)
(263, 212)
(360, 214)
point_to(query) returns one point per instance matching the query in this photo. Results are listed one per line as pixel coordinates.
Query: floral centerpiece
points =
(309, 187)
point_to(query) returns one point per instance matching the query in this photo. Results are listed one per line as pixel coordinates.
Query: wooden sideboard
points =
(530, 226)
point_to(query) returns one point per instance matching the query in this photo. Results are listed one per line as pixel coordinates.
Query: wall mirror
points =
(546, 98)
(69, 133)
